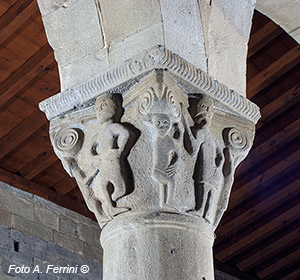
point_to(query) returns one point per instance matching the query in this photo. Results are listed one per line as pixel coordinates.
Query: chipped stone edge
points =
(155, 58)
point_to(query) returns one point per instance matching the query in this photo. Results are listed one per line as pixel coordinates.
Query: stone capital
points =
(155, 143)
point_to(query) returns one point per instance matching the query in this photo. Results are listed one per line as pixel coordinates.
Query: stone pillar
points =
(153, 142)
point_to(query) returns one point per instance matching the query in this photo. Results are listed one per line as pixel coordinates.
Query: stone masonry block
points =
(16, 204)
(183, 30)
(84, 68)
(45, 216)
(93, 252)
(5, 240)
(68, 242)
(5, 218)
(123, 18)
(67, 226)
(73, 39)
(29, 243)
(89, 234)
(32, 228)
(135, 44)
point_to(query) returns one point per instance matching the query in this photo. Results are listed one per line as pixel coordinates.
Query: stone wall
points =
(34, 231)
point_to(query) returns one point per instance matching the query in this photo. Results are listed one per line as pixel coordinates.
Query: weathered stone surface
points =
(73, 30)
(68, 226)
(122, 18)
(5, 218)
(45, 216)
(228, 35)
(211, 35)
(93, 252)
(32, 228)
(139, 42)
(183, 32)
(68, 242)
(157, 246)
(84, 68)
(23, 206)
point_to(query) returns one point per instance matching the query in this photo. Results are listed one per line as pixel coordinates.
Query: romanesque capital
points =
(155, 146)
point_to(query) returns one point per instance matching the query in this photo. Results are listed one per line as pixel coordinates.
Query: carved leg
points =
(205, 191)
(119, 187)
(209, 211)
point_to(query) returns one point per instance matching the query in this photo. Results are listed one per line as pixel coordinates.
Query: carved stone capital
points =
(160, 146)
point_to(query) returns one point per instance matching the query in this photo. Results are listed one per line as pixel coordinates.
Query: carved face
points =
(204, 112)
(105, 108)
(162, 123)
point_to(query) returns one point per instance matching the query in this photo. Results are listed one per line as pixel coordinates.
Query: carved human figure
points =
(237, 147)
(109, 184)
(84, 184)
(208, 174)
(165, 159)
(68, 143)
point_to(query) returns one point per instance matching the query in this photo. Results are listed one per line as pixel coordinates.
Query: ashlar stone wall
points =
(34, 231)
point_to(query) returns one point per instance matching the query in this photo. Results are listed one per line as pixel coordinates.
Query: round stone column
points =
(154, 246)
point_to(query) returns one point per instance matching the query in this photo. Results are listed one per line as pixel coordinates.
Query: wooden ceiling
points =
(259, 236)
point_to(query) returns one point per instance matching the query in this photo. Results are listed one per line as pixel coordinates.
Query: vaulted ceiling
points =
(259, 236)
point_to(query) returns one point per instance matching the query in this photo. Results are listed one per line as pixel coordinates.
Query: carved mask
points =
(204, 112)
(162, 123)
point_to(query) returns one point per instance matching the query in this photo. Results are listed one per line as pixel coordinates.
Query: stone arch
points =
(283, 12)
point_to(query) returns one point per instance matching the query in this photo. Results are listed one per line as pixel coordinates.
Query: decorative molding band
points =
(155, 58)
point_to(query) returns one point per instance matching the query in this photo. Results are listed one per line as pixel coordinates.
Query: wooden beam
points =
(262, 208)
(267, 148)
(18, 21)
(293, 275)
(269, 251)
(232, 271)
(25, 73)
(43, 161)
(262, 37)
(259, 234)
(21, 132)
(13, 12)
(34, 188)
(273, 72)
(271, 271)
(65, 185)
(279, 105)
(272, 174)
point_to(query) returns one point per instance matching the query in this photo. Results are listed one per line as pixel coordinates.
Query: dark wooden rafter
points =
(271, 271)
(15, 17)
(65, 185)
(22, 132)
(279, 105)
(269, 251)
(269, 147)
(262, 37)
(233, 271)
(271, 175)
(265, 206)
(29, 70)
(42, 162)
(273, 72)
(258, 234)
